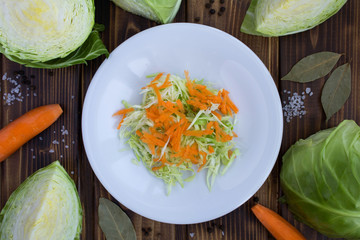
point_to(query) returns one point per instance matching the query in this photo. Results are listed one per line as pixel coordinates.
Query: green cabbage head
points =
(49, 33)
(320, 178)
(162, 11)
(45, 206)
(284, 17)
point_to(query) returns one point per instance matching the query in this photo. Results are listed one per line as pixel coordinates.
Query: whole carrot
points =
(21, 130)
(277, 226)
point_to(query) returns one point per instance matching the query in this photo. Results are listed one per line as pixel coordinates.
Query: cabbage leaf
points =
(283, 17)
(92, 48)
(320, 178)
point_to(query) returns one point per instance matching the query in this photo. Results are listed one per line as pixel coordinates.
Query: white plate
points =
(207, 53)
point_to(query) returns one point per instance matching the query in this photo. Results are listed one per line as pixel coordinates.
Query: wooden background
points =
(68, 86)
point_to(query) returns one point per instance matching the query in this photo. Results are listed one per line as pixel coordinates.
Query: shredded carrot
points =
(180, 105)
(147, 137)
(158, 95)
(157, 77)
(166, 82)
(221, 136)
(211, 149)
(158, 168)
(196, 103)
(217, 114)
(198, 133)
(121, 122)
(230, 153)
(123, 111)
(204, 155)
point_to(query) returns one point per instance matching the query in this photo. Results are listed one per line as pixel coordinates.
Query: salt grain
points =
(40, 138)
(72, 172)
(192, 235)
(51, 151)
(64, 131)
(66, 146)
(34, 157)
(55, 142)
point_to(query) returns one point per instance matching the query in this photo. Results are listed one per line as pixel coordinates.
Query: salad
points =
(181, 127)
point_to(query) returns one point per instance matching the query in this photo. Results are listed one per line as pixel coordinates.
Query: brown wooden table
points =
(68, 86)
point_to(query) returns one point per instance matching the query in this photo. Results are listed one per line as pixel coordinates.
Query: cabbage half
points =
(45, 206)
(320, 178)
(38, 31)
(162, 11)
(283, 17)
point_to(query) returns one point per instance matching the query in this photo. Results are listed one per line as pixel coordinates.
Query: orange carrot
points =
(198, 133)
(158, 95)
(123, 111)
(122, 120)
(211, 149)
(166, 82)
(277, 226)
(158, 168)
(216, 114)
(204, 155)
(156, 78)
(20, 131)
(180, 105)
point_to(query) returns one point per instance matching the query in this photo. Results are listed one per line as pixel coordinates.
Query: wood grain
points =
(68, 87)
(339, 34)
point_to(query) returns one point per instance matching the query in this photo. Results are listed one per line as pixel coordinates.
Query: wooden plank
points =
(32, 88)
(241, 223)
(338, 34)
(119, 26)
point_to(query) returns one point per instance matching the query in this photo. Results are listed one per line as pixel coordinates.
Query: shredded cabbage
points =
(175, 170)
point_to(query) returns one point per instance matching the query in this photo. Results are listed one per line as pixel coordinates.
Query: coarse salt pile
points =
(15, 93)
(294, 106)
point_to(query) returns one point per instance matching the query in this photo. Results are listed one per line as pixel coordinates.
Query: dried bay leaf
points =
(336, 90)
(312, 67)
(114, 222)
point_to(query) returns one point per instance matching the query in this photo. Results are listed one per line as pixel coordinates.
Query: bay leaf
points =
(312, 67)
(114, 222)
(336, 90)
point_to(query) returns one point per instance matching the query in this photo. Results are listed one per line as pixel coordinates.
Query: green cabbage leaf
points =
(284, 17)
(162, 11)
(92, 48)
(320, 178)
(45, 206)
